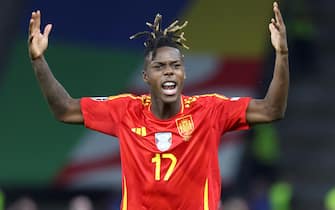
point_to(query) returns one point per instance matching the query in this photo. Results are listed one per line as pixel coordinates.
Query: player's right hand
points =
(37, 42)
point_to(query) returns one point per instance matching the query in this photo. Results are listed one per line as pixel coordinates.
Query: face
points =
(165, 74)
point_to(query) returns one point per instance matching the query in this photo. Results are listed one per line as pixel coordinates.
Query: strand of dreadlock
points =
(170, 26)
(140, 34)
(157, 34)
(177, 28)
(157, 22)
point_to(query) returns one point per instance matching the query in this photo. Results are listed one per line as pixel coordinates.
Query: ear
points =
(145, 76)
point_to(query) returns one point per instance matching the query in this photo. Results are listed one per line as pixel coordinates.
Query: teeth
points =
(169, 83)
(169, 88)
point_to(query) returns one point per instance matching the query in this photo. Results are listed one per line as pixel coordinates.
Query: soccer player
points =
(168, 141)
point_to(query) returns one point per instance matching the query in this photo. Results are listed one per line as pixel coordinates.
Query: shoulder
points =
(213, 96)
(131, 100)
(213, 99)
(220, 98)
(115, 99)
(206, 97)
(126, 96)
(203, 100)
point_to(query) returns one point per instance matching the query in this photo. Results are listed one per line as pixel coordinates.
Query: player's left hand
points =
(278, 31)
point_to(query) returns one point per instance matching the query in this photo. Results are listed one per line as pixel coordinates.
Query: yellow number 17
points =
(157, 160)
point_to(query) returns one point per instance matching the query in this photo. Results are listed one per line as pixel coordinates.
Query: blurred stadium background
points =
(287, 165)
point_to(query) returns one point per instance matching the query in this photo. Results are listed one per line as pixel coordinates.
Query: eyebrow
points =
(163, 63)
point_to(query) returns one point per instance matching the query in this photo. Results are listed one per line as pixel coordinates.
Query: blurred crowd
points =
(278, 197)
(79, 202)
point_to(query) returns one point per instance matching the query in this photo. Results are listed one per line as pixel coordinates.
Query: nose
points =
(168, 71)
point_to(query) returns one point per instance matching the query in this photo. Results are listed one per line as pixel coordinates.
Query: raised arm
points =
(273, 106)
(63, 106)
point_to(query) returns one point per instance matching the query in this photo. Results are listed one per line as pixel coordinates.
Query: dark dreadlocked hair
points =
(172, 36)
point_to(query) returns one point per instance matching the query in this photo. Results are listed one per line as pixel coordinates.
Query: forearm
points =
(277, 94)
(55, 94)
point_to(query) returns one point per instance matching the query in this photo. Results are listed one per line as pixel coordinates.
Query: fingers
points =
(47, 30)
(32, 29)
(275, 24)
(38, 19)
(35, 25)
(35, 22)
(272, 27)
(278, 16)
(31, 23)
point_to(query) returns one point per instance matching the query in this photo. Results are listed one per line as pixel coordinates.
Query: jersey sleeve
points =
(103, 114)
(231, 112)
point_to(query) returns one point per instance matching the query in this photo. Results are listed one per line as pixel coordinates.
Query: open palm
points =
(37, 42)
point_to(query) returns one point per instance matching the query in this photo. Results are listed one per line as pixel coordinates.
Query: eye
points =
(177, 66)
(157, 67)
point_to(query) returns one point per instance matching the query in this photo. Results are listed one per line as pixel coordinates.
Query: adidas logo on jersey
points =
(142, 131)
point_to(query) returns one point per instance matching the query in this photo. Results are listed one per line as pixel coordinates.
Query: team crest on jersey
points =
(185, 127)
(163, 140)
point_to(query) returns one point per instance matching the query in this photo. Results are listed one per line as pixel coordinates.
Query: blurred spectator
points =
(330, 199)
(301, 32)
(235, 203)
(23, 203)
(281, 196)
(259, 199)
(113, 202)
(2, 200)
(81, 203)
(265, 152)
(260, 166)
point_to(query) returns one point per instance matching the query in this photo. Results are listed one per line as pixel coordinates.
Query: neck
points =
(165, 110)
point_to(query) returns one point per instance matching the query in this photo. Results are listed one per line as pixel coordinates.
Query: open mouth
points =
(169, 88)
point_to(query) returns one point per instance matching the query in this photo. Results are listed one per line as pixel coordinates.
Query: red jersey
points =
(168, 164)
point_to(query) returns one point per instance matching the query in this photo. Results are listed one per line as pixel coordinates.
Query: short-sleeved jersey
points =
(168, 164)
